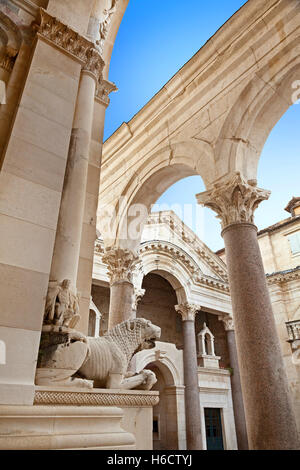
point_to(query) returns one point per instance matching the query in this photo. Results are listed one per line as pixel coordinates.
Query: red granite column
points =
(191, 393)
(236, 388)
(268, 408)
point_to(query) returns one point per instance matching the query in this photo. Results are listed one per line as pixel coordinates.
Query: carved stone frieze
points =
(121, 264)
(70, 398)
(58, 33)
(234, 200)
(187, 311)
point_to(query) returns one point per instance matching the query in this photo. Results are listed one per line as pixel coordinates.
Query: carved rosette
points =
(137, 297)
(228, 322)
(187, 311)
(53, 30)
(121, 264)
(234, 200)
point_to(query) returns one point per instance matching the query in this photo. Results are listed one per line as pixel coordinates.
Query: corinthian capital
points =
(187, 311)
(120, 264)
(228, 322)
(234, 199)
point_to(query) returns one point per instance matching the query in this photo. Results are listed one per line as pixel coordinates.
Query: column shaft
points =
(268, 408)
(120, 306)
(237, 397)
(192, 401)
(68, 236)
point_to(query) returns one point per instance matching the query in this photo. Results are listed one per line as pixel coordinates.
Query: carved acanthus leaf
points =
(137, 297)
(121, 264)
(234, 200)
(187, 311)
(228, 322)
(104, 88)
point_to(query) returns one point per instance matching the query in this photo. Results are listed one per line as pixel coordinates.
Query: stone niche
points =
(80, 419)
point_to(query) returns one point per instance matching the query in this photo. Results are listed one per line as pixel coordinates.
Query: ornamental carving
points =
(137, 297)
(104, 25)
(234, 200)
(228, 322)
(187, 311)
(62, 305)
(104, 89)
(53, 30)
(121, 264)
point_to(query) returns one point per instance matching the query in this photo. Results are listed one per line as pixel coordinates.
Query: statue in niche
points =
(62, 305)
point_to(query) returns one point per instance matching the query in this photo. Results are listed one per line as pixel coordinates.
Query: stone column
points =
(268, 408)
(192, 400)
(237, 397)
(121, 264)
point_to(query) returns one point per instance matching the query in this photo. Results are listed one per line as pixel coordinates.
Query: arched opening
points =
(158, 305)
(166, 419)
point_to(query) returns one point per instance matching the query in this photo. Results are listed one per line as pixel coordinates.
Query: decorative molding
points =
(293, 328)
(188, 311)
(65, 38)
(137, 297)
(234, 200)
(105, 87)
(188, 236)
(227, 321)
(68, 398)
(284, 276)
(121, 264)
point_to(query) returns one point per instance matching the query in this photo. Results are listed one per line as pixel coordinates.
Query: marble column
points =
(269, 413)
(192, 400)
(121, 264)
(236, 388)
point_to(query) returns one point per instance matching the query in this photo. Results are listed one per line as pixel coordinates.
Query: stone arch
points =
(146, 183)
(257, 110)
(165, 364)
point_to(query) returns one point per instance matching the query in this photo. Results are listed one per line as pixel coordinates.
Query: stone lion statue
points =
(110, 355)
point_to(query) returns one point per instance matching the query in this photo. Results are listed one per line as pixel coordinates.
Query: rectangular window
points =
(294, 240)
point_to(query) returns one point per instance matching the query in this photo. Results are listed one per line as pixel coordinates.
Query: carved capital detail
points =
(234, 200)
(228, 322)
(53, 30)
(187, 311)
(121, 264)
(104, 88)
(137, 297)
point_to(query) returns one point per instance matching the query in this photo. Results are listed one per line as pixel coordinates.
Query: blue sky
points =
(155, 39)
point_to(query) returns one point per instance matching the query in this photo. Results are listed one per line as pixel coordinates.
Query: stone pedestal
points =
(269, 414)
(192, 401)
(79, 419)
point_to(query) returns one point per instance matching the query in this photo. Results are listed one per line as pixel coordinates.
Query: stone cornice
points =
(187, 311)
(71, 42)
(120, 264)
(105, 87)
(234, 199)
(188, 236)
(96, 398)
(284, 276)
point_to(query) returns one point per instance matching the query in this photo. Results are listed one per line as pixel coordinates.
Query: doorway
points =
(214, 431)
